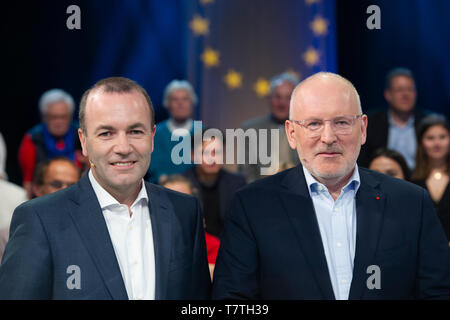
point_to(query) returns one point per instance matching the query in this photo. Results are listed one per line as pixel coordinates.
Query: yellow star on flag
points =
(262, 87)
(319, 26)
(199, 26)
(310, 2)
(206, 1)
(233, 79)
(311, 57)
(210, 57)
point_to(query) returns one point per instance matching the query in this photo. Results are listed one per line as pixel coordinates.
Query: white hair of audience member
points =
(3, 174)
(55, 95)
(177, 85)
(279, 79)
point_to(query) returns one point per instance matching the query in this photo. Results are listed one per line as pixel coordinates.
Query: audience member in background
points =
(3, 174)
(54, 174)
(281, 88)
(215, 185)
(433, 165)
(182, 184)
(390, 162)
(179, 99)
(396, 127)
(55, 136)
(50, 175)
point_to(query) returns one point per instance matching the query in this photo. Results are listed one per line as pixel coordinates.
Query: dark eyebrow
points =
(104, 127)
(111, 128)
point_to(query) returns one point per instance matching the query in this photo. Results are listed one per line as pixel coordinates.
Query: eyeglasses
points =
(342, 125)
(58, 184)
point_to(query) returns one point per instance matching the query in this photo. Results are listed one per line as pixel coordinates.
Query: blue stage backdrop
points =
(414, 34)
(236, 47)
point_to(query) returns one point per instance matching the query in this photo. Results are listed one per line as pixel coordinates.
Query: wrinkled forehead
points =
(325, 98)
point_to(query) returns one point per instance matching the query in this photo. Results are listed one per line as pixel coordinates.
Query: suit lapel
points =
(299, 207)
(160, 216)
(88, 219)
(370, 203)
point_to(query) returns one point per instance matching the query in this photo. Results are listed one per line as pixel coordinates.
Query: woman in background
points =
(391, 163)
(433, 165)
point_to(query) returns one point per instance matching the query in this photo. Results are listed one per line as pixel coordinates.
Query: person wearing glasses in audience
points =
(328, 229)
(54, 174)
(49, 176)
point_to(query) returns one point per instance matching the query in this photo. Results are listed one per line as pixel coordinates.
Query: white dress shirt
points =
(337, 225)
(132, 239)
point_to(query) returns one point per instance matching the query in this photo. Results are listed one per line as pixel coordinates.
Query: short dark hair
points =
(114, 85)
(397, 72)
(42, 167)
(178, 178)
(393, 155)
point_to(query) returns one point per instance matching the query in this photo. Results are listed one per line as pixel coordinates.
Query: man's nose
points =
(328, 135)
(122, 145)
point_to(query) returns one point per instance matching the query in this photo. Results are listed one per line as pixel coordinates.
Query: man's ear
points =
(82, 138)
(290, 133)
(364, 124)
(153, 136)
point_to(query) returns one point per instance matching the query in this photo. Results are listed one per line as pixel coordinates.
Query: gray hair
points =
(397, 72)
(280, 78)
(55, 95)
(324, 75)
(177, 85)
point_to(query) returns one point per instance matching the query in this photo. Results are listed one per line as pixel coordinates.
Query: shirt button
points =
(343, 281)
(135, 262)
(319, 188)
(130, 227)
(339, 244)
(335, 210)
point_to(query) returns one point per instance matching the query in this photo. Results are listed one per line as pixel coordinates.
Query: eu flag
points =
(236, 47)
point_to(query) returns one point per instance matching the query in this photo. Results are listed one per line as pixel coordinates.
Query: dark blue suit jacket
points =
(272, 249)
(65, 228)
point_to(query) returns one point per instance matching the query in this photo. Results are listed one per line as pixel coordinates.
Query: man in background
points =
(50, 176)
(281, 87)
(395, 128)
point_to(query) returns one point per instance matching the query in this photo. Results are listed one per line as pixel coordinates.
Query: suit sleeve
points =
(236, 271)
(201, 279)
(25, 272)
(433, 280)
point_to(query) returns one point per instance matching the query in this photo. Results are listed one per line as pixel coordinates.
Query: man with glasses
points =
(53, 175)
(328, 229)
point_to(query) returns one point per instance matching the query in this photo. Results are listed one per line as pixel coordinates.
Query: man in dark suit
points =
(111, 235)
(327, 229)
(395, 128)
